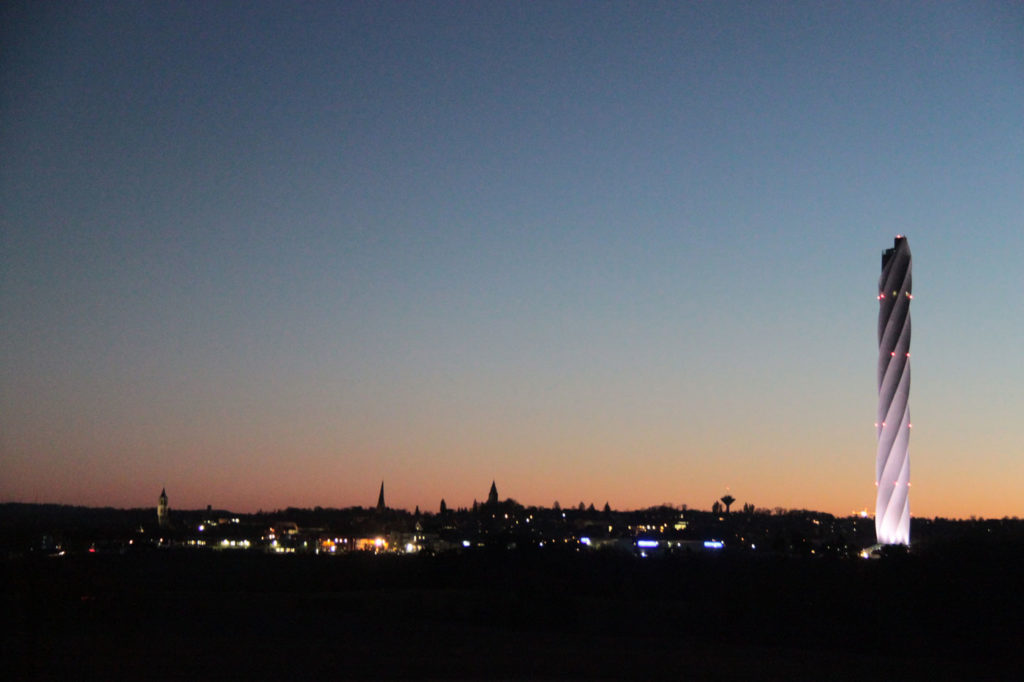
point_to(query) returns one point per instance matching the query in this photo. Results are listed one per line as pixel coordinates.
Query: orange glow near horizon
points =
(770, 477)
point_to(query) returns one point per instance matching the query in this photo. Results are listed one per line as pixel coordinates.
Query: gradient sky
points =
(269, 254)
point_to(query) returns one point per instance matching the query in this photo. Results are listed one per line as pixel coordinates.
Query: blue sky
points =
(268, 254)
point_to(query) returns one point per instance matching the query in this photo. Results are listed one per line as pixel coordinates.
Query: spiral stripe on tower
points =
(892, 463)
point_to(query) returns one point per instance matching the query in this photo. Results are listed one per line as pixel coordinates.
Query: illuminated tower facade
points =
(892, 463)
(162, 510)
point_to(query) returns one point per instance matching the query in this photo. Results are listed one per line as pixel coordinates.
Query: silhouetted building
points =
(380, 498)
(892, 462)
(492, 497)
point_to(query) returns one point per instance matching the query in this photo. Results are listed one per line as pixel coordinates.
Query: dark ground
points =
(951, 614)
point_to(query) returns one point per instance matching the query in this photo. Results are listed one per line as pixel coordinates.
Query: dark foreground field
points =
(180, 615)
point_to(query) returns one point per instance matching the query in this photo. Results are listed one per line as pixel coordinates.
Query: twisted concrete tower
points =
(892, 465)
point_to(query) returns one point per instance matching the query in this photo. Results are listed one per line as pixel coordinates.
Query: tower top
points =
(492, 497)
(899, 243)
(380, 498)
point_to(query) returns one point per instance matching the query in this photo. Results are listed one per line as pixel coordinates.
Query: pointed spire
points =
(161, 509)
(492, 497)
(380, 498)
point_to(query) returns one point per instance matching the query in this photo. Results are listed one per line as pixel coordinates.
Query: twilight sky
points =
(268, 254)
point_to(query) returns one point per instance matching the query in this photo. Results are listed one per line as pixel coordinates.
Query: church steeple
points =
(492, 497)
(380, 498)
(162, 509)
